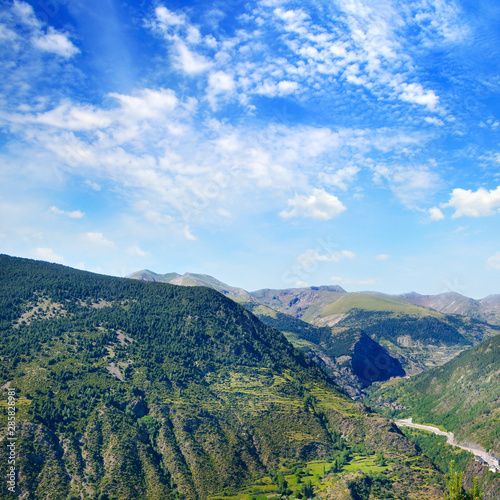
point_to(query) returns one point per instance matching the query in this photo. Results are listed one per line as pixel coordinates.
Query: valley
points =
(142, 389)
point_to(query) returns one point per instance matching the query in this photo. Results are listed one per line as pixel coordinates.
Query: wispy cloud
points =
(311, 255)
(47, 254)
(493, 262)
(42, 37)
(97, 240)
(75, 214)
(409, 184)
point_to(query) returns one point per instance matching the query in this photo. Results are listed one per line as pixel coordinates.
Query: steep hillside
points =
(420, 338)
(350, 357)
(463, 396)
(490, 309)
(411, 338)
(143, 390)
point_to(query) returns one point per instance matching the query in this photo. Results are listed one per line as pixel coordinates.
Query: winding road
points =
(450, 439)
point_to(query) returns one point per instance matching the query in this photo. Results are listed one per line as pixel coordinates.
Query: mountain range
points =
(368, 341)
(360, 337)
(143, 390)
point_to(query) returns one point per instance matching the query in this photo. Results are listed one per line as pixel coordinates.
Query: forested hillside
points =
(139, 390)
(463, 395)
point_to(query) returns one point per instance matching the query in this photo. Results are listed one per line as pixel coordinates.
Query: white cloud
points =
(415, 93)
(309, 256)
(6, 34)
(136, 251)
(219, 83)
(340, 178)
(188, 235)
(301, 284)
(97, 240)
(57, 43)
(51, 40)
(70, 117)
(439, 20)
(190, 62)
(435, 214)
(168, 18)
(409, 184)
(25, 13)
(75, 214)
(383, 256)
(145, 104)
(432, 120)
(474, 203)
(47, 254)
(319, 205)
(93, 185)
(494, 262)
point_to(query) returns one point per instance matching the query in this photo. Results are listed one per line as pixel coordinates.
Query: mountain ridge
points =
(418, 337)
(209, 399)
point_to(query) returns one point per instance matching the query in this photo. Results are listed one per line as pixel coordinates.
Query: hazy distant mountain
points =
(192, 279)
(487, 309)
(450, 303)
(303, 303)
(490, 309)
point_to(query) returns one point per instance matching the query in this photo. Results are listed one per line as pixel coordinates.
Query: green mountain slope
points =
(349, 356)
(418, 337)
(142, 390)
(411, 338)
(463, 395)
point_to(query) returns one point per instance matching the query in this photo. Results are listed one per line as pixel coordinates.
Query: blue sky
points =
(270, 143)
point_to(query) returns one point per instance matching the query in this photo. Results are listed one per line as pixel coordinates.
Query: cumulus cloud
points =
(383, 256)
(435, 214)
(57, 43)
(415, 93)
(189, 61)
(474, 203)
(219, 83)
(75, 214)
(319, 205)
(494, 262)
(167, 18)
